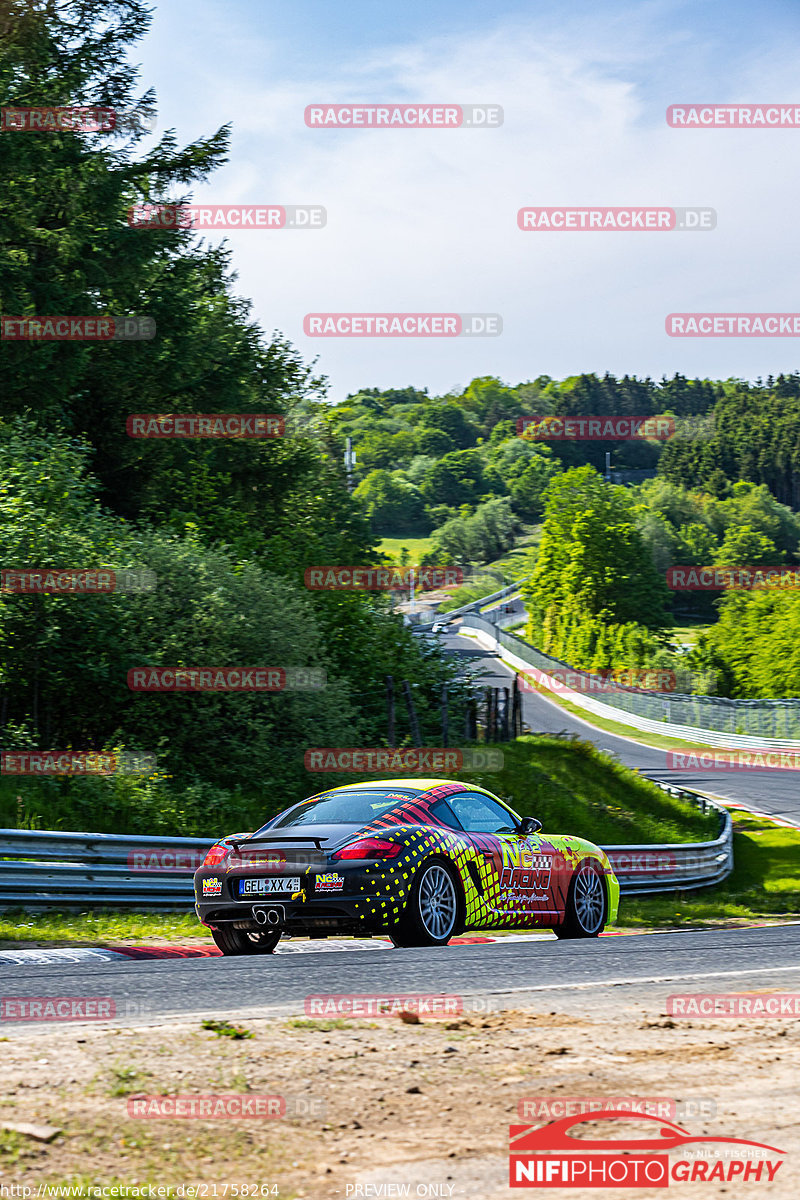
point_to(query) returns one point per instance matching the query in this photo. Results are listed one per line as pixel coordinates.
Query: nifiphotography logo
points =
(564, 1153)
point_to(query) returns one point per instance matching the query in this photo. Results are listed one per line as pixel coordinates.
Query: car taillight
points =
(369, 848)
(216, 855)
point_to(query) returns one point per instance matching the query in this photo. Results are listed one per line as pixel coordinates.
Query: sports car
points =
(417, 860)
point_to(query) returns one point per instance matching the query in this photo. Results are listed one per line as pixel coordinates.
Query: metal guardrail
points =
(642, 870)
(46, 869)
(708, 720)
(473, 606)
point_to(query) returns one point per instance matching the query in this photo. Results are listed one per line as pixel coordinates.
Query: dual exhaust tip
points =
(267, 916)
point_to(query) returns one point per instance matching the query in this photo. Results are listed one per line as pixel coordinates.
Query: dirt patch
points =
(379, 1103)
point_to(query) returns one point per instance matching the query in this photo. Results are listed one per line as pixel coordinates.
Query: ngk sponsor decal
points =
(733, 324)
(348, 1004)
(381, 579)
(57, 1008)
(402, 324)
(330, 881)
(733, 116)
(526, 874)
(72, 581)
(734, 760)
(547, 427)
(625, 219)
(227, 216)
(403, 116)
(417, 759)
(699, 579)
(226, 679)
(76, 762)
(205, 425)
(759, 1005)
(77, 329)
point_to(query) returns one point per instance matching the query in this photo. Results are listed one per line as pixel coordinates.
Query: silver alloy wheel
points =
(588, 899)
(437, 902)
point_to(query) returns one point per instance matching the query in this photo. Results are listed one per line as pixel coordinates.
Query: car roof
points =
(418, 785)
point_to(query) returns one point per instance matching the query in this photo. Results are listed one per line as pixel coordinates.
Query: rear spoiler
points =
(237, 843)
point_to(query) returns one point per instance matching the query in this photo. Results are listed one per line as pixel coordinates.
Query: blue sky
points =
(426, 220)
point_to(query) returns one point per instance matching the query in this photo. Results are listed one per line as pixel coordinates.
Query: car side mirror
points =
(529, 825)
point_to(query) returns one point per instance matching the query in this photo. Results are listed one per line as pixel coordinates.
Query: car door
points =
(517, 869)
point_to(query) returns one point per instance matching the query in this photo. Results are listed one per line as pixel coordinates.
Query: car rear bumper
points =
(336, 914)
(366, 902)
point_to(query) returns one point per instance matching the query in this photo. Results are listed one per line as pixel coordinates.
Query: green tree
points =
(591, 552)
(392, 504)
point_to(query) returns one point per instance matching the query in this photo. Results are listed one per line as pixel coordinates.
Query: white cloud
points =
(426, 221)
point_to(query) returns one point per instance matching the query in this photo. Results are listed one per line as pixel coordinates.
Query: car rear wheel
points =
(586, 905)
(242, 941)
(432, 910)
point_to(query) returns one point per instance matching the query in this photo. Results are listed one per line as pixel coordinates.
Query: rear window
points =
(343, 808)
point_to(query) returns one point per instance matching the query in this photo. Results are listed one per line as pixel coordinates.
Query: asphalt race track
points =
(542, 972)
(537, 971)
(774, 792)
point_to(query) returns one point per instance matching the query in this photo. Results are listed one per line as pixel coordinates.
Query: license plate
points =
(270, 885)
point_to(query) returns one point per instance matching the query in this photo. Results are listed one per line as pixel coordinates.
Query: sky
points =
(426, 220)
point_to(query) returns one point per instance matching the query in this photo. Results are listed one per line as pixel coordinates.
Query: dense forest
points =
(228, 526)
(720, 490)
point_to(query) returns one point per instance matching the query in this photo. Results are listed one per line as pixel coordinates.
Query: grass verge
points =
(98, 927)
(765, 882)
(416, 547)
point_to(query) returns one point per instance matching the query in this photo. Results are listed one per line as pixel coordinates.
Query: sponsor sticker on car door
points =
(526, 876)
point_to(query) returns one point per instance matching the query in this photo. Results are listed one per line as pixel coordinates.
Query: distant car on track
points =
(419, 860)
